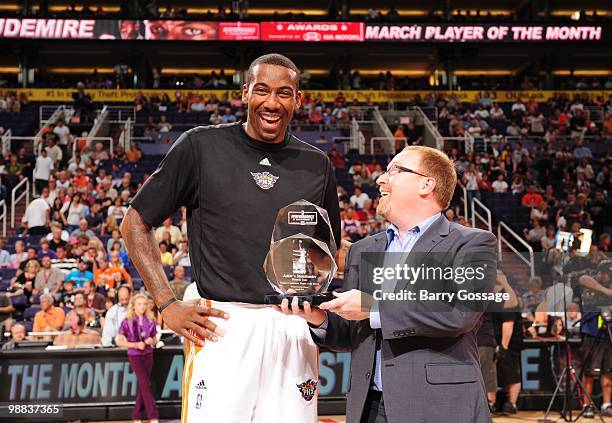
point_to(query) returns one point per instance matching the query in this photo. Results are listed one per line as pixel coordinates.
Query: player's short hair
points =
(274, 59)
(440, 167)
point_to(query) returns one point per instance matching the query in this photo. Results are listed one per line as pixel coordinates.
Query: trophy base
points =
(314, 300)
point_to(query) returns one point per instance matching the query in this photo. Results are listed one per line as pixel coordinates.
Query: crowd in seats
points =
(558, 118)
(68, 257)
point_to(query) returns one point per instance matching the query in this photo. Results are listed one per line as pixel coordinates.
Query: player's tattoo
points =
(146, 256)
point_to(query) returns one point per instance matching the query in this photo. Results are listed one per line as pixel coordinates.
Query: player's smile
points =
(272, 97)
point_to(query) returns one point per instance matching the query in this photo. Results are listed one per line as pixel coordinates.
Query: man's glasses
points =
(395, 168)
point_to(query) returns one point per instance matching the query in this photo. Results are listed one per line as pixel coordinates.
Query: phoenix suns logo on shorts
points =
(265, 180)
(308, 389)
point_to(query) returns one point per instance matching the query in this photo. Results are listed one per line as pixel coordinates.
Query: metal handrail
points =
(14, 200)
(432, 129)
(468, 142)
(488, 221)
(500, 239)
(3, 217)
(465, 200)
(6, 141)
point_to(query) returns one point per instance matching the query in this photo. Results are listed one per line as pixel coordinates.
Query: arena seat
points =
(19, 301)
(30, 312)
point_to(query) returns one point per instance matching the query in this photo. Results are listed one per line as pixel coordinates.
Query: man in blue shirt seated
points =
(80, 275)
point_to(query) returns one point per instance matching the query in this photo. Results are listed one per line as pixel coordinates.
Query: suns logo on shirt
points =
(308, 389)
(265, 180)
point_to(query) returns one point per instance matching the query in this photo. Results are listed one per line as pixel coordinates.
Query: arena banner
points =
(62, 95)
(183, 30)
(105, 376)
(238, 31)
(90, 29)
(482, 33)
(312, 31)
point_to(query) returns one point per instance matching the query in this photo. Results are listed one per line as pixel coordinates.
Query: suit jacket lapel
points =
(436, 232)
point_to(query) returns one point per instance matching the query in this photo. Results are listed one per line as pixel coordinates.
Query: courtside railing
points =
(501, 240)
(16, 199)
(464, 199)
(3, 217)
(477, 215)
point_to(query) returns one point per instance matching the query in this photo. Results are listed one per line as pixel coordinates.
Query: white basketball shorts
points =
(265, 369)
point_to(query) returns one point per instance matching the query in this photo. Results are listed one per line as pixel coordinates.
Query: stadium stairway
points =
(507, 205)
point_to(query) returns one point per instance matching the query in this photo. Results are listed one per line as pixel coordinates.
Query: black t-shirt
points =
(516, 340)
(485, 337)
(214, 172)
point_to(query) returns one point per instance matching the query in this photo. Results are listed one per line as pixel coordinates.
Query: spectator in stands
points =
(32, 256)
(48, 279)
(228, 116)
(532, 198)
(577, 124)
(37, 217)
(500, 185)
(63, 134)
(117, 211)
(179, 283)
(93, 299)
(95, 218)
(49, 318)
(359, 198)
(5, 256)
(99, 154)
(198, 104)
(134, 154)
(18, 256)
(581, 151)
(42, 171)
(81, 308)
(138, 333)
(79, 275)
(6, 310)
(23, 283)
(72, 212)
(76, 335)
(116, 274)
(508, 333)
(181, 257)
(58, 237)
(83, 229)
(166, 256)
(472, 179)
(540, 213)
(45, 250)
(18, 334)
(175, 233)
(115, 316)
(363, 177)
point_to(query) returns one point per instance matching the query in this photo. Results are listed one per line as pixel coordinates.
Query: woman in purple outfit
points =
(138, 333)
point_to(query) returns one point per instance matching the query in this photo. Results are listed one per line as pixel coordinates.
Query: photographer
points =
(596, 342)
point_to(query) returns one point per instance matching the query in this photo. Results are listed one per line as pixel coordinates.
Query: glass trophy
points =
(300, 262)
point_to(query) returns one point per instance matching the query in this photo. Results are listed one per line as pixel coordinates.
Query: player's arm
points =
(183, 317)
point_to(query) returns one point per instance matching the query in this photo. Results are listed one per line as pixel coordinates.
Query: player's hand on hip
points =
(192, 320)
(350, 305)
(312, 315)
